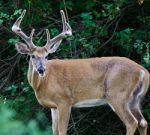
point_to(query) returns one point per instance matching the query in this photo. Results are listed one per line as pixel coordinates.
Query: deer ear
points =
(22, 48)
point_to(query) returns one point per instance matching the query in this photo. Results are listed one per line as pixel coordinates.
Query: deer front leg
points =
(54, 114)
(63, 118)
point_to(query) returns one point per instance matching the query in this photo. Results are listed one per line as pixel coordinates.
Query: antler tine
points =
(48, 44)
(48, 36)
(66, 26)
(18, 21)
(53, 44)
(63, 17)
(31, 34)
(16, 29)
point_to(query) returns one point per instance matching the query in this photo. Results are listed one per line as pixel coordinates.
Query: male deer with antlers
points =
(62, 84)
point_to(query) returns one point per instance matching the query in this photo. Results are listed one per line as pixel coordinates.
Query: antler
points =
(16, 29)
(55, 42)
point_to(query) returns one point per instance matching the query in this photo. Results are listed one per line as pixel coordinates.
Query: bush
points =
(10, 125)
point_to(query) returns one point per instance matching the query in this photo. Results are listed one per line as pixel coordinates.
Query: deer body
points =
(77, 80)
(63, 84)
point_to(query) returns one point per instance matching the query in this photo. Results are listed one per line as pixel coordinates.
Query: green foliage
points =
(140, 46)
(87, 20)
(9, 125)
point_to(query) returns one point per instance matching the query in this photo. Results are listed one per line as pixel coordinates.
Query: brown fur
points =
(79, 79)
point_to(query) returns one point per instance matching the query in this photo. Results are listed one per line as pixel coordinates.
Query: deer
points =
(61, 84)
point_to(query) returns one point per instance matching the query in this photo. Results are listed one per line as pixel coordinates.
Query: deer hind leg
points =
(135, 109)
(134, 105)
(122, 110)
(142, 123)
(54, 114)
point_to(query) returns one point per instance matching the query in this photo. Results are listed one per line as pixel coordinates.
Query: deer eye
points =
(33, 56)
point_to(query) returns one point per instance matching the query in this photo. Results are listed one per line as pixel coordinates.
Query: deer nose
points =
(41, 70)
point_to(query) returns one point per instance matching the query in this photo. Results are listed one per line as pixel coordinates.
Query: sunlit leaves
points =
(11, 126)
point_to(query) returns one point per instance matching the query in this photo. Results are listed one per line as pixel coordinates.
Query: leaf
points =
(86, 16)
(1, 21)
(12, 88)
(13, 40)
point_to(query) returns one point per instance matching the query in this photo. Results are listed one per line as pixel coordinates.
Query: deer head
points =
(38, 54)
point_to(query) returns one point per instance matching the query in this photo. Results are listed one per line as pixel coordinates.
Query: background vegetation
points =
(100, 28)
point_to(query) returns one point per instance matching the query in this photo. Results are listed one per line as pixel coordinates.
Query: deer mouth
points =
(42, 74)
